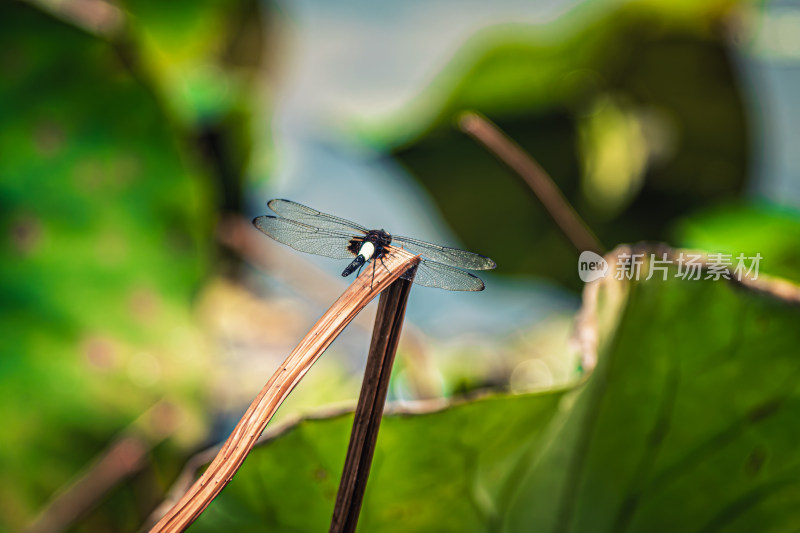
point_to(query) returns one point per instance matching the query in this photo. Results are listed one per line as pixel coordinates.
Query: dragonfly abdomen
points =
(365, 253)
(358, 262)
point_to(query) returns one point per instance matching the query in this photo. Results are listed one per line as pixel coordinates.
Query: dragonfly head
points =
(378, 237)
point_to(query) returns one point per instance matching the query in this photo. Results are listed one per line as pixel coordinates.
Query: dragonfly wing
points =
(432, 274)
(305, 238)
(446, 255)
(312, 217)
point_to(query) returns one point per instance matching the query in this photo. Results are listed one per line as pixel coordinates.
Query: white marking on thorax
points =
(367, 249)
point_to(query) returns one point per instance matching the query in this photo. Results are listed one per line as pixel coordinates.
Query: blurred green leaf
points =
(203, 59)
(770, 230)
(106, 225)
(635, 110)
(688, 422)
(202, 55)
(447, 470)
(510, 70)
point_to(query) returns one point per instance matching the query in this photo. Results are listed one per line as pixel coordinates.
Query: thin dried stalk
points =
(542, 185)
(249, 428)
(369, 412)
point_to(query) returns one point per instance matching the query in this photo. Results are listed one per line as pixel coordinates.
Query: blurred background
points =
(141, 312)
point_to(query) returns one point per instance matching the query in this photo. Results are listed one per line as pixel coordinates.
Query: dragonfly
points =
(308, 230)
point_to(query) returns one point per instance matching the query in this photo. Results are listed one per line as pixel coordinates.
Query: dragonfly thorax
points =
(371, 245)
(366, 251)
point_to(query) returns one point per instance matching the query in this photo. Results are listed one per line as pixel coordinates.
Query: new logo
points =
(591, 266)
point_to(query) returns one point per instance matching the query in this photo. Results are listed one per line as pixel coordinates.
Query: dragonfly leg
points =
(384, 266)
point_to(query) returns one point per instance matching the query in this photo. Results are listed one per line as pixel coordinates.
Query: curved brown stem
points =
(246, 433)
(542, 185)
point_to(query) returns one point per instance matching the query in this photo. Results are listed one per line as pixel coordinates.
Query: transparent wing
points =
(443, 254)
(312, 217)
(432, 274)
(305, 238)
